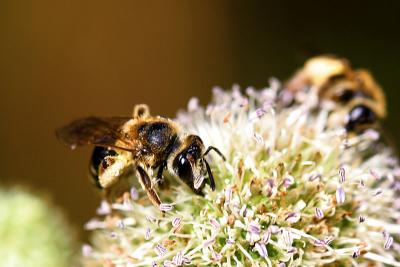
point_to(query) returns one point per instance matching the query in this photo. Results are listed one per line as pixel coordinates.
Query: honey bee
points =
(141, 143)
(354, 92)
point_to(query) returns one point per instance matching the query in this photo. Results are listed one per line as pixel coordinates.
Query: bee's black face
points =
(188, 165)
(360, 116)
(191, 166)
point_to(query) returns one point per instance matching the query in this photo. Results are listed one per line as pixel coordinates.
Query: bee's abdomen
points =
(98, 156)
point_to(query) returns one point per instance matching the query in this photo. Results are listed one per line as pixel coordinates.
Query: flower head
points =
(292, 192)
(32, 232)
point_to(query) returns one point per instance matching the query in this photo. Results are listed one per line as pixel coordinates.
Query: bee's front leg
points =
(145, 182)
(161, 182)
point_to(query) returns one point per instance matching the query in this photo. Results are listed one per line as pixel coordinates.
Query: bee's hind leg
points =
(146, 184)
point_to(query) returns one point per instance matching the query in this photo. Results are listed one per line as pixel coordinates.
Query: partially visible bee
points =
(141, 143)
(355, 92)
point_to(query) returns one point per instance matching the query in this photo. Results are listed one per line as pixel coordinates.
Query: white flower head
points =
(289, 194)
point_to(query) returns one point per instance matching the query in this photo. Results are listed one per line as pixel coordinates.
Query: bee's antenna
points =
(210, 175)
(216, 150)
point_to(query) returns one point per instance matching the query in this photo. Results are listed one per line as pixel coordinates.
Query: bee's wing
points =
(96, 131)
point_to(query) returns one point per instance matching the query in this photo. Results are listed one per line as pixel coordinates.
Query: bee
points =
(354, 92)
(141, 143)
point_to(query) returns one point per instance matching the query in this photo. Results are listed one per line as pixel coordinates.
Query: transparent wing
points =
(96, 131)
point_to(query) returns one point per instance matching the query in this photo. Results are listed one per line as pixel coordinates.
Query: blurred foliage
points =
(32, 232)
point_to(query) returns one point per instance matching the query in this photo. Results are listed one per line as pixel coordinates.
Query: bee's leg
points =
(162, 183)
(160, 179)
(146, 184)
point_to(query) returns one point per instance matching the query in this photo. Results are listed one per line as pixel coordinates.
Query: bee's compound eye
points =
(98, 155)
(360, 116)
(183, 168)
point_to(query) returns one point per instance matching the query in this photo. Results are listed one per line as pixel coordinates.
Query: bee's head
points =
(188, 163)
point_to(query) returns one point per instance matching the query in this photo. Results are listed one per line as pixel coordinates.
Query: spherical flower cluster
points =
(32, 232)
(293, 191)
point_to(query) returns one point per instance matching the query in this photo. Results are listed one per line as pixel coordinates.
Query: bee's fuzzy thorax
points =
(294, 191)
